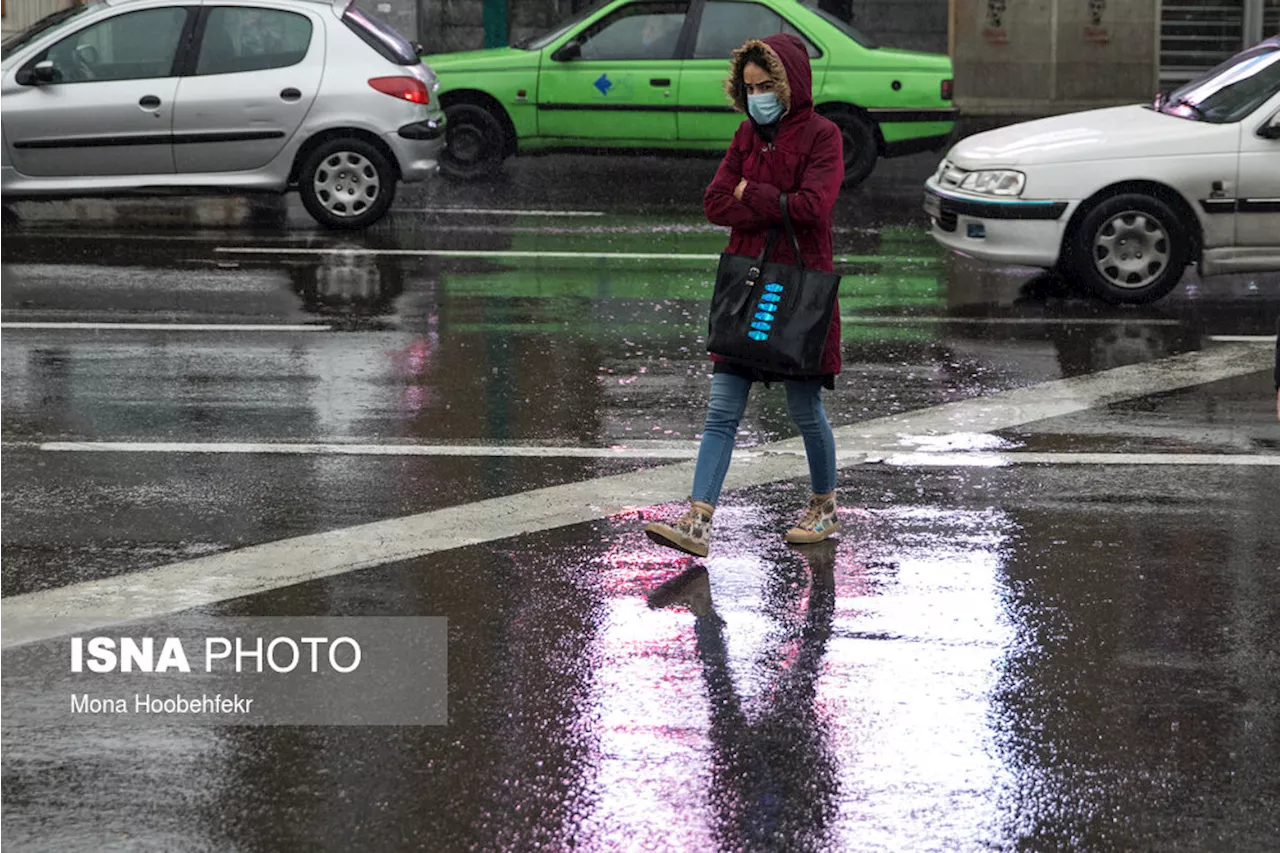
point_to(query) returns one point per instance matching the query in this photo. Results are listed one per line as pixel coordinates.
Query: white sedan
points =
(1123, 199)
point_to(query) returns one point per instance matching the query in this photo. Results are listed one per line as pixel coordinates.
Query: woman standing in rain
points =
(782, 147)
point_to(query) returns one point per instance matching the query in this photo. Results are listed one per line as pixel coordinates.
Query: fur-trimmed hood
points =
(787, 62)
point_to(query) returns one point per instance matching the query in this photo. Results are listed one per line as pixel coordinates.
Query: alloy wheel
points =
(347, 184)
(1131, 249)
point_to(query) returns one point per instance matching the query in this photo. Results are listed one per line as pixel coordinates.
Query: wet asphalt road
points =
(1035, 635)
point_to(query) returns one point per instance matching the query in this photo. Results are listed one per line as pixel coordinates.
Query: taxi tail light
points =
(409, 88)
(947, 86)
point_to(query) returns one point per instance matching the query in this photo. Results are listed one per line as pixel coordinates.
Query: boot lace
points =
(811, 517)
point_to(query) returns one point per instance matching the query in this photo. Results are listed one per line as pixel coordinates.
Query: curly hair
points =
(759, 53)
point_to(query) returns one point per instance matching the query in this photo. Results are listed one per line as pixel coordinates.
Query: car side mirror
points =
(1271, 130)
(570, 51)
(37, 75)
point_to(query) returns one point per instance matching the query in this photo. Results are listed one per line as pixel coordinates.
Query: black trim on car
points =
(1218, 205)
(95, 142)
(890, 114)
(189, 55)
(884, 115)
(193, 138)
(633, 150)
(689, 34)
(196, 137)
(1022, 210)
(632, 108)
(425, 129)
(1240, 205)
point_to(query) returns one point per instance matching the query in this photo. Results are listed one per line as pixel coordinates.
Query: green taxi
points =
(646, 75)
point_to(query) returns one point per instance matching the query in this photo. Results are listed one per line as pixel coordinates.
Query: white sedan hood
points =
(1107, 134)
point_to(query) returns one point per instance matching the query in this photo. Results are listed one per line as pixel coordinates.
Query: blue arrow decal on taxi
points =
(604, 84)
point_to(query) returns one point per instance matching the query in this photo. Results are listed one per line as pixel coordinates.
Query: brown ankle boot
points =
(690, 534)
(818, 522)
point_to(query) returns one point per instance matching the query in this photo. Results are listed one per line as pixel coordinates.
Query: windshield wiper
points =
(1195, 108)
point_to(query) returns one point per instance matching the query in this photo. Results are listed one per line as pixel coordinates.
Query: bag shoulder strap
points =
(791, 229)
(753, 275)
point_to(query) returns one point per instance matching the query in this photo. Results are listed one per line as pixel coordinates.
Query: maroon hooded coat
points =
(805, 160)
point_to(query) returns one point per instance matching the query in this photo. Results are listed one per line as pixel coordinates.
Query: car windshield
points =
(844, 27)
(1229, 92)
(539, 42)
(44, 25)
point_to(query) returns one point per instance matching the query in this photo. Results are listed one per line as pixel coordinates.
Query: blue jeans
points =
(724, 411)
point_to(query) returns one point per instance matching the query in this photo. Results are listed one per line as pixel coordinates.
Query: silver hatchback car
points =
(151, 96)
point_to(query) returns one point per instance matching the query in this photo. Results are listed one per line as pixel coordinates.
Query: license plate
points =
(933, 205)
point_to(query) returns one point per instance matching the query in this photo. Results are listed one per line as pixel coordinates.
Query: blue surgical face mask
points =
(765, 108)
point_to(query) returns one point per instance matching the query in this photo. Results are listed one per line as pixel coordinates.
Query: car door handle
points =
(149, 102)
(660, 81)
(290, 94)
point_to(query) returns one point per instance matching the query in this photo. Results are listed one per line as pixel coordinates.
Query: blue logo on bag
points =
(771, 297)
(767, 306)
(757, 336)
(763, 327)
(773, 288)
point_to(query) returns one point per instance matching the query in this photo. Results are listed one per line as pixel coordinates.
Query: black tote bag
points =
(772, 316)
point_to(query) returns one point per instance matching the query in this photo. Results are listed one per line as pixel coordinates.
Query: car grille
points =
(947, 221)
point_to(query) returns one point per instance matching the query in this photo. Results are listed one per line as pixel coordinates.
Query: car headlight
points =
(995, 182)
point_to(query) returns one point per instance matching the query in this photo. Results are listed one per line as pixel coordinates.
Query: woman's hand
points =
(742, 185)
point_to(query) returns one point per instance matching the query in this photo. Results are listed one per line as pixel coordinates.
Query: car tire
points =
(474, 143)
(860, 147)
(1129, 249)
(347, 183)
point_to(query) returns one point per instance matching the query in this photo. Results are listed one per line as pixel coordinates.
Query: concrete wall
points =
(452, 25)
(908, 24)
(20, 14)
(401, 14)
(1034, 57)
(445, 26)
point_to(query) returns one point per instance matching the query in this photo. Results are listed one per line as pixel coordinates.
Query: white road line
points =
(689, 451)
(488, 211)
(455, 253)
(150, 593)
(857, 319)
(1016, 457)
(169, 327)
(906, 319)
(526, 254)
(1243, 339)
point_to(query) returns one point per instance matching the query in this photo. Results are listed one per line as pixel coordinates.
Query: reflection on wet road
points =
(1034, 634)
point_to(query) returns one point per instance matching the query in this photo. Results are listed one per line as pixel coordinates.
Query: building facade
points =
(1024, 57)
(1195, 34)
(17, 15)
